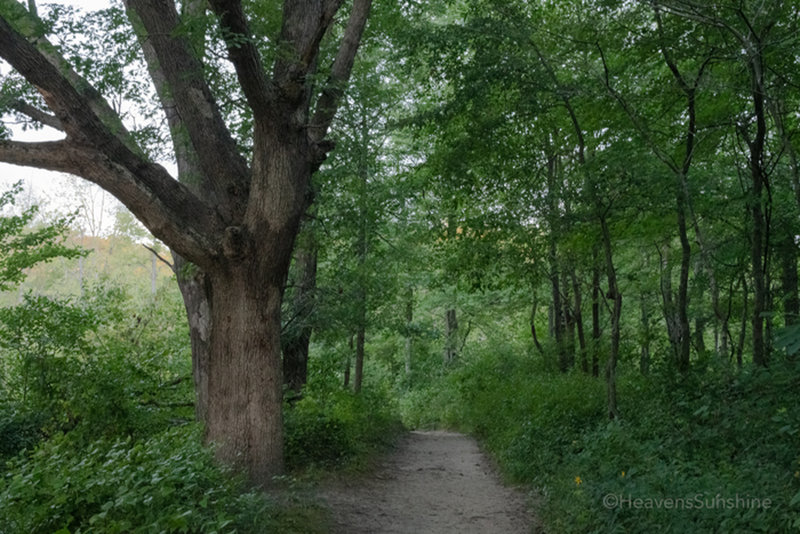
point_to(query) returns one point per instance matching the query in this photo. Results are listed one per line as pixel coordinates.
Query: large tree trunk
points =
(243, 413)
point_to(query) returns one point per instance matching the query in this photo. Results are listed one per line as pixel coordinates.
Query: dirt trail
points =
(433, 483)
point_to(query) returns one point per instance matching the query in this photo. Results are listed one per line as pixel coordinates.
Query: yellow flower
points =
(623, 474)
(578, 481)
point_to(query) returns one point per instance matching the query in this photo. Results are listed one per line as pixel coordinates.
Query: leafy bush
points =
(331, 428)
(168, 483)
(95, 366)
(19, 429)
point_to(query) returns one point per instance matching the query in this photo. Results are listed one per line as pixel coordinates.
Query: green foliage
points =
(166, 483)
(92, 366)
(20, 428)
(334, 428)
(23, 245)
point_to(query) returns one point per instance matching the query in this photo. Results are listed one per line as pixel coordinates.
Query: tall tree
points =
(230, 219)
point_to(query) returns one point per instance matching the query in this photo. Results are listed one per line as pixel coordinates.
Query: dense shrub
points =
(19, 429)
(93, 366)
(167, 483)
(328, 428)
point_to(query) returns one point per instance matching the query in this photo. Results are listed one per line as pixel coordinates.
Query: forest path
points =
(432, 483)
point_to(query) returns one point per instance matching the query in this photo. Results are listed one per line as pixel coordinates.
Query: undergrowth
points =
(96, 433)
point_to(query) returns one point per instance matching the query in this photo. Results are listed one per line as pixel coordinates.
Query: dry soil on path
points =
(432, 483)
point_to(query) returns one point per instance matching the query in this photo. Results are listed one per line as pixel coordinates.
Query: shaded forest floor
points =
(432, 482)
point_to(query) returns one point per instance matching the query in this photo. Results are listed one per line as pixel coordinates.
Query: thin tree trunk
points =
(700, 320)
(450, 336)
(358, 378)
(789, 284)
(596, 331)
(559, 318)
(409, 334)
(645, 335)
(153, 273)
(669, 308)
(195, 291)
(758, 238)
(576, 289)
(616, 315)
(569, 324)
(351, 346)
(682, 305)
(297, 339)
(743, 326)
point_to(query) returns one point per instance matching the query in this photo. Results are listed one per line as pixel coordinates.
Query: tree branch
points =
(113, 162)
(639, 124)
(331, 95)
(305, 23)
(37, 114)
(163, 205)
(74, 101)
(244, 55)
(190, 171)
(161, 258)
